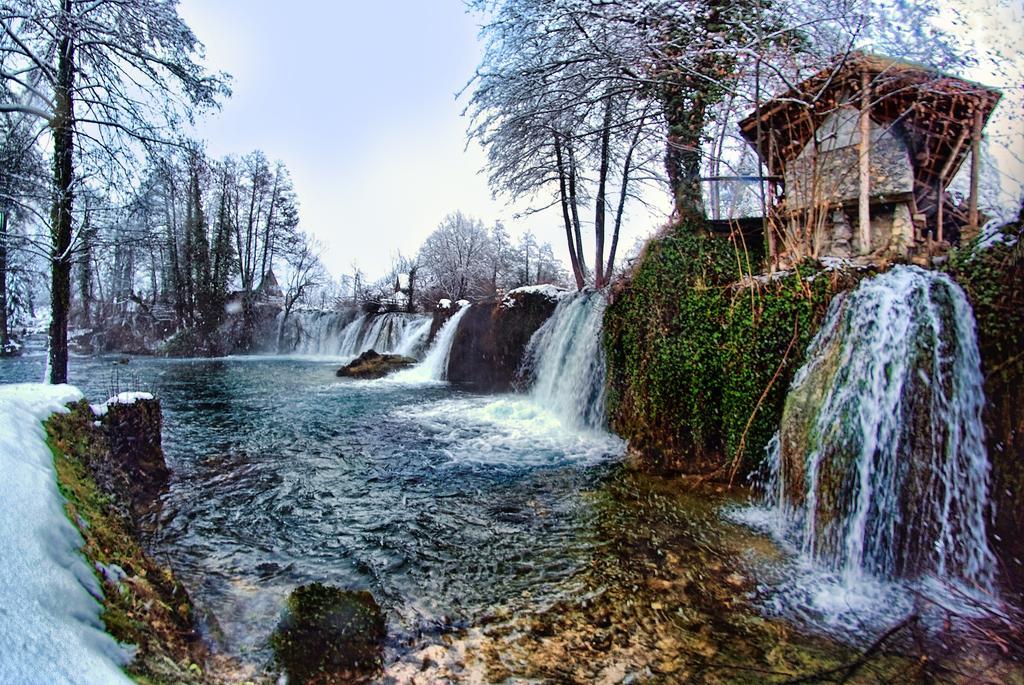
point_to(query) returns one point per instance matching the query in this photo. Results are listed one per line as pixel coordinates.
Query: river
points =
(500, 539)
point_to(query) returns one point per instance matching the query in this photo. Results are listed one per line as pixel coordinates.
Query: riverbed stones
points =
(371, 364)
(329, 635)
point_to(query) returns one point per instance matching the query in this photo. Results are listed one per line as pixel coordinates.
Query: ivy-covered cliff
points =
(700, 356)
(992, 274)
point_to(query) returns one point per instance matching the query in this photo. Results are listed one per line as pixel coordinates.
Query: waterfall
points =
(414, 337)
(314, 332)
(343, 334)
(879, 470)
(434, 366)
(565, 361)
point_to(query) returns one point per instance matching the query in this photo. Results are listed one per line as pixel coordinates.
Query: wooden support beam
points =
(979, 122)
(946, 169)
(954, 154)
(864, 213)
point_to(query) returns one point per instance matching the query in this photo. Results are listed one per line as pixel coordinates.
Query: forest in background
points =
(583, 107)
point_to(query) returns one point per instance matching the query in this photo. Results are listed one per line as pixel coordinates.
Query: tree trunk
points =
(682, 153)
(63, 125)
(577, 272)
(574, 208)
(85, 272)
(268, 232)
(5, 338)
(600, 205)
(411, 305)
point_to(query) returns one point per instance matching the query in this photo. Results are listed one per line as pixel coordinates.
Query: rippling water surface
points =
(443, 503)
(502, 543)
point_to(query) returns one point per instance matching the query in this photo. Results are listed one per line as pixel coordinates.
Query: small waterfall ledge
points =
(345, 334)
(565, 363)
(879, 471)
(434, 366)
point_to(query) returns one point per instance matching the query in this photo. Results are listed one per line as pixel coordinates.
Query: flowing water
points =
(565, 361)
(434, 366)
(879, 476)
(348, 334)
(442, 503)
(499, 532)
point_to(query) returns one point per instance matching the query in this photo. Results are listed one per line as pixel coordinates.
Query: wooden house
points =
(865, 150)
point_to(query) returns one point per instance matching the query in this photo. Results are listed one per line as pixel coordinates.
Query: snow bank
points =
(120, 398)
(552, 292)
(49, 615)
(444, 303)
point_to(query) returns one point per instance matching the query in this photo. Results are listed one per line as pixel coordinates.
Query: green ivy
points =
(992, 275)
(691, 350)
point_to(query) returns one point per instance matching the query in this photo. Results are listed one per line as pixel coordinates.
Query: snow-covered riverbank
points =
(49, 612)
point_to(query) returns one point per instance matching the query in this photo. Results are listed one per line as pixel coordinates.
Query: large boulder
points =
(492, 337)
(371, 364)
(329, 635)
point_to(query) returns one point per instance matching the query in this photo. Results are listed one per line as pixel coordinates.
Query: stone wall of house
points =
(827, 170)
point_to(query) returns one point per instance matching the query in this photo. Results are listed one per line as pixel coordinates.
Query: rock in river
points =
(372, 364)
(329, 635)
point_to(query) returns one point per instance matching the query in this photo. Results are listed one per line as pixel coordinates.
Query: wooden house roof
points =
(935, 111)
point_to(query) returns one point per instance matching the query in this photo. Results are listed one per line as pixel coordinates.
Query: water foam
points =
(513, 431)
(887, 502)
(434, 367)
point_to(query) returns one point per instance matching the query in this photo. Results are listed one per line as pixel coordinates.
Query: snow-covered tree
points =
(455, 258)
(104, 76)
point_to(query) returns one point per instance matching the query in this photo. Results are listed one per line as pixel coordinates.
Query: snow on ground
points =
(49, 615)
(552, 292)
(120, 398)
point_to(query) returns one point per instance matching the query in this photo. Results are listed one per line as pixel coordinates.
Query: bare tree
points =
(305, 272)
(454, 257)
(103, 76)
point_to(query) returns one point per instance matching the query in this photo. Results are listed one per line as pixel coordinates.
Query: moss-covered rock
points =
(993, 278)
(329, 635)
(371, 364)
(492, 336)
(700, 355)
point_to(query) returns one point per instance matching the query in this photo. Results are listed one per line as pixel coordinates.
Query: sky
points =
(358, 99)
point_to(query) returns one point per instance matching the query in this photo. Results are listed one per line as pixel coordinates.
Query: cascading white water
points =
(313, 331)
(880, 470)
(414, 337)
(565, 361)
(341, 335)
(561, 419)
(434, 366)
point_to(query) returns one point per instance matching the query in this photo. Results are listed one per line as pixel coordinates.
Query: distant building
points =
(400, 299)
(269, 290)
(865, 150)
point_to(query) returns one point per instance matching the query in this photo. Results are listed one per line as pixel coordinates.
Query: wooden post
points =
(947, 168)
(864, 214)
(979, 122)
